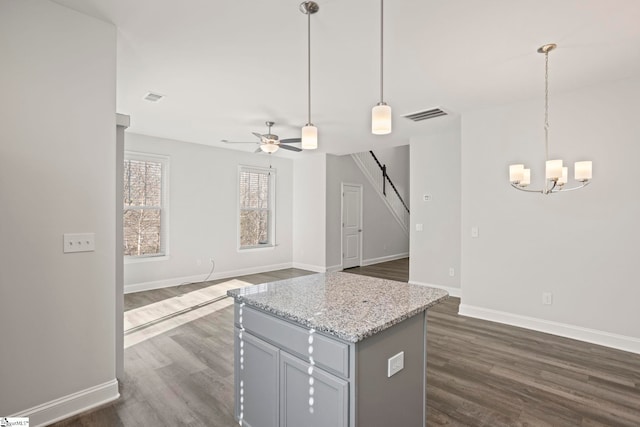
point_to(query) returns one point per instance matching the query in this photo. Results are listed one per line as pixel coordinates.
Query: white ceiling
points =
(227, 66)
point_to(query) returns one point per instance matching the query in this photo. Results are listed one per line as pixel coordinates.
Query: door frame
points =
(342, 185)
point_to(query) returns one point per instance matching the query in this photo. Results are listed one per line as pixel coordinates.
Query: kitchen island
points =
(331, 350)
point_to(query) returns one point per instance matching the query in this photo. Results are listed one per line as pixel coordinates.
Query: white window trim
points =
(272, 207)
(164, 224)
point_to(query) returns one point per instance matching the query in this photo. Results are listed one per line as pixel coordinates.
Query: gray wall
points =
(581, 246)
(382, 235)
(57, 175)
(435, 171)
(203, 214)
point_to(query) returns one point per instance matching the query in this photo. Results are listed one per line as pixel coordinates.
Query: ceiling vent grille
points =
(425, 114)
(153, 97)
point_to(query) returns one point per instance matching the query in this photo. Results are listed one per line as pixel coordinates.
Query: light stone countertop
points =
(348, 306)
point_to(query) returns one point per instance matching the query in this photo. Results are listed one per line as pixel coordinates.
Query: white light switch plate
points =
(79, 242)
(395, 364)
(418, 227)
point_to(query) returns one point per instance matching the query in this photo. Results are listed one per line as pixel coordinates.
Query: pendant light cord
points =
(309, 67)
(381, 51)
(546, 106)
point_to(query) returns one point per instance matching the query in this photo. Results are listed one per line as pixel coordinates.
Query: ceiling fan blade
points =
(258, 135)
(290, 140)
(290, 148)
(239, 142)
(258, 150)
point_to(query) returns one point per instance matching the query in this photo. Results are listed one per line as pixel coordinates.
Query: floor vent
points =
(425, 114)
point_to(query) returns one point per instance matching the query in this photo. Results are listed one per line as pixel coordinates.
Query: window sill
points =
(143, 259)
(257, 248)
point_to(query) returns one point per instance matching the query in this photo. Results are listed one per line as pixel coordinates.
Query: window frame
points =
(164, 206)
(271, 232)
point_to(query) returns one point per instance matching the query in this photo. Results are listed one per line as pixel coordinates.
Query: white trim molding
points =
(454, 292)
(579, 333)
(309, 267)
(72, 404)
(371, 261)
(176, 281)
(334, 268)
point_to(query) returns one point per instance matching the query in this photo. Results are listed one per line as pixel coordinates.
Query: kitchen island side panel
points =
(399, 399)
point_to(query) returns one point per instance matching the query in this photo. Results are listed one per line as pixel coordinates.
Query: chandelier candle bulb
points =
(516, 173)
(565, 175)
(554, 169)
(582, 171)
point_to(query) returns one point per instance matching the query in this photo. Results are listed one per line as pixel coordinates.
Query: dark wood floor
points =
(479, 374)
(392, 270)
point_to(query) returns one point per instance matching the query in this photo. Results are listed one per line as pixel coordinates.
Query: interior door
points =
(351, 225)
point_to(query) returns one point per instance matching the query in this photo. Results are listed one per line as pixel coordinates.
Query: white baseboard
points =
(72, 404)
(175, 281)
(334, 268)
(593, 336)
(310, 267)
(454, 292)
(371, 261)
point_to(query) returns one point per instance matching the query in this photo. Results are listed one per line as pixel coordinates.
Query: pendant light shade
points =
(381, 113)
(381, 119)
(309, 135)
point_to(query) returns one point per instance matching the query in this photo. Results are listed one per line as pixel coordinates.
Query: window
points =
(145, 216)
(257, 212)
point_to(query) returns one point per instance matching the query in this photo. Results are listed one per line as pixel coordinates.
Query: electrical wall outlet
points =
(395, 364)
(547, 298)
(452, 271)
(79, 242)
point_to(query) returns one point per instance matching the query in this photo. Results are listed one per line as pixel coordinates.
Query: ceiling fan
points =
(270, 143)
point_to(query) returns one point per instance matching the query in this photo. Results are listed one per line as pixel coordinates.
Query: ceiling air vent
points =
(153, 97)
(425, 114)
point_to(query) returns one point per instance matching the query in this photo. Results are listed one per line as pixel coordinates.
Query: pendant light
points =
(381, 113)
(556, 175)
(309, 131)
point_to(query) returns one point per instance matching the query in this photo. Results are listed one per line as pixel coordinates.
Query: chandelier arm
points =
(563, 189)
(528, 190)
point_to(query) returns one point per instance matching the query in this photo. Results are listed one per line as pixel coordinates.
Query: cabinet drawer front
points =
(328, 354)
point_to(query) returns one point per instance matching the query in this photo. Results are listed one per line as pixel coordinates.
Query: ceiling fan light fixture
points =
(381, 119)
(269, 147)
(309, 137)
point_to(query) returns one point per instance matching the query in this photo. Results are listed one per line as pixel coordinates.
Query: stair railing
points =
(377, 174)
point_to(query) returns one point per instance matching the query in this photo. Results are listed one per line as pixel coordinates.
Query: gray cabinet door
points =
(330, 396)
(257, 383)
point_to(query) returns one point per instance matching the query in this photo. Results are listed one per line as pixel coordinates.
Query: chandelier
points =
(556, 175)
